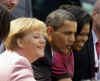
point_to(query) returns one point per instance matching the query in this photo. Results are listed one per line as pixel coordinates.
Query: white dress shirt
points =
(97, 61)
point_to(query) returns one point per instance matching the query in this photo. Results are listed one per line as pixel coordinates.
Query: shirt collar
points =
(95, 39)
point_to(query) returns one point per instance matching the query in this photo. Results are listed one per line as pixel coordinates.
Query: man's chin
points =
(67, 52)
(9, 10)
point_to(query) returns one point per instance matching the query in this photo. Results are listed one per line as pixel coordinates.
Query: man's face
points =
(81, 38)
(10, 4)
(64, 37)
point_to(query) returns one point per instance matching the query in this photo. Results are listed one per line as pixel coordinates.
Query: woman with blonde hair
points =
(25, 44)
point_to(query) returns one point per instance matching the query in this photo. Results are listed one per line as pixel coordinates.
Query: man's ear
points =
(49, 32)
(20, 43)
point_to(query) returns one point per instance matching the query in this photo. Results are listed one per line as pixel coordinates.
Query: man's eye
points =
(67, 33)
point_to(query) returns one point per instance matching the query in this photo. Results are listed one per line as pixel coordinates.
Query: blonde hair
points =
(19, 27)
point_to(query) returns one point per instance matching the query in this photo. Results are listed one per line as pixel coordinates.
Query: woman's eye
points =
(36, 37)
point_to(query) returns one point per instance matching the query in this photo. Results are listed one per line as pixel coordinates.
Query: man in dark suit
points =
(10, 5)
(23, 9)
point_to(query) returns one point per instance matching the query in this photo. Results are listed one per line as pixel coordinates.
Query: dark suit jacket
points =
(23, 9)
(42, 67)
(84, 61)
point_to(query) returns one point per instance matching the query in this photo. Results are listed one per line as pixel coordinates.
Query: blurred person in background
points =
(5, 19)
(40, 8)
(96, 39)
(23, 9)
(10, 4)
(87, 5)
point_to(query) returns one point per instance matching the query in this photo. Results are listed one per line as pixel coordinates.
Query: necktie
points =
(98, 48)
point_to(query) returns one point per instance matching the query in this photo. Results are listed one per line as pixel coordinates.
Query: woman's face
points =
(34, 44)
(81, 38)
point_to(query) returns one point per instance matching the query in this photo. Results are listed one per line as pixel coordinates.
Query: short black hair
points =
(57, 18)
(81, 16)
(5, 19)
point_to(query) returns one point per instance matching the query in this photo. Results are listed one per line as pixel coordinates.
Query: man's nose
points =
(72, 38)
